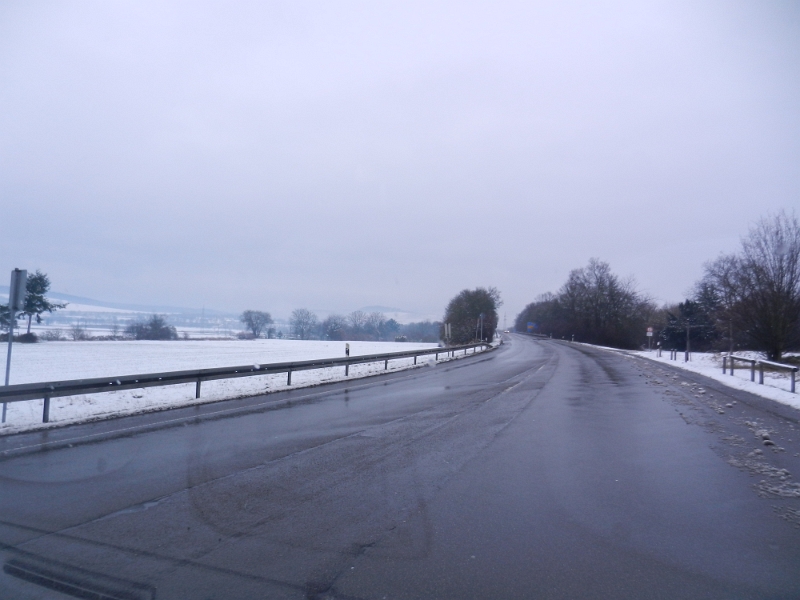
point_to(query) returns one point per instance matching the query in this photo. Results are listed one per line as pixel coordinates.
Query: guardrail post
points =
(793, 372)
(347, 370)
(197, 389)
(724, 365)
(46, 411)
(753, 371)
(733, 364)
(415, 359)
(289, 377)
(761, 373)
(386, 365)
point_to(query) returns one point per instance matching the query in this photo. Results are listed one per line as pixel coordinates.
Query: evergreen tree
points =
(464, 315)
(35, 301)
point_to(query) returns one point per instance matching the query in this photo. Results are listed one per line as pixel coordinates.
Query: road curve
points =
(540, 470)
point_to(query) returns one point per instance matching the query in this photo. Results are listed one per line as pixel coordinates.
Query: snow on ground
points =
(776, 384)
(53, 361)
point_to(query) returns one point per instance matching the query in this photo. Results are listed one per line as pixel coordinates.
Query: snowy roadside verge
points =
(776, 385)
(27, 415)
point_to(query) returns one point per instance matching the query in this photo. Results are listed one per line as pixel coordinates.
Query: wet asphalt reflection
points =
(542, 469)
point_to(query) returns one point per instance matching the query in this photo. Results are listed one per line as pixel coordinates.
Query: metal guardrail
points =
(760, 363)
(76, 387)
(752, 362)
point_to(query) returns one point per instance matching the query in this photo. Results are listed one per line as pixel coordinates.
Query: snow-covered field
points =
(776, 385)
(53, 361)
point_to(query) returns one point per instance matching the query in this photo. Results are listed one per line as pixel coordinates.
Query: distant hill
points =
(83, 304)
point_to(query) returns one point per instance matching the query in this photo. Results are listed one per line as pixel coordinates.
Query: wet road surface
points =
(539, 470)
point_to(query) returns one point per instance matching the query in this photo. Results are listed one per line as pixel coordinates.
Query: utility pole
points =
(16, 302)
(688, 341)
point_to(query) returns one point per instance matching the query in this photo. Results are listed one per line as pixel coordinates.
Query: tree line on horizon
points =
(749, 299)
(471, 314)
(355, 326)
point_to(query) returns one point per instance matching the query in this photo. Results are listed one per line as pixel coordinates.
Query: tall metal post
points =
(10, 340)
(16, 301)
(688, 347)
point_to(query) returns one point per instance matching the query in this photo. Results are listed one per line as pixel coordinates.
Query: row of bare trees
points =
(304, 324)
(595, 306)
(749, 299)
(358, 325)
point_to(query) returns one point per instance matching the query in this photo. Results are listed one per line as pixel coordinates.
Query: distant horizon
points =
(156, 308)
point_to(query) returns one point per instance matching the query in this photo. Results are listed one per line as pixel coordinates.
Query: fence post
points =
(197, 389)
(46, 411)
(289, 377)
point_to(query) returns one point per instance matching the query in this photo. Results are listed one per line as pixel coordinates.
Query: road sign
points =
(16, 294)
(649, 332)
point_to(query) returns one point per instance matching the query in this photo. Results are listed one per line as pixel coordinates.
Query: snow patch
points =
(56, 361)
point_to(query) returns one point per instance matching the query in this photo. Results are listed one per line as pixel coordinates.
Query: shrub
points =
(154, 328)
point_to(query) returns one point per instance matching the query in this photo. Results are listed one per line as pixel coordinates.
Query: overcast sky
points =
(335, 155)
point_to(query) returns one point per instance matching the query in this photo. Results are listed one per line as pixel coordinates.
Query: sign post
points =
(16, 302)
(649, 338)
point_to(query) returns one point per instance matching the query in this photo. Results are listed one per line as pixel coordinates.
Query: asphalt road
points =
(540, 470)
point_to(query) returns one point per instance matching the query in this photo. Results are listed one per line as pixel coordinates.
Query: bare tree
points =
(719, 292)
(595, 306)
(756, 292)
(114, 328)
(256, 321)
(302, 323)
(374, 325)
(77, 332)
(334, 327)
(357, 321)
